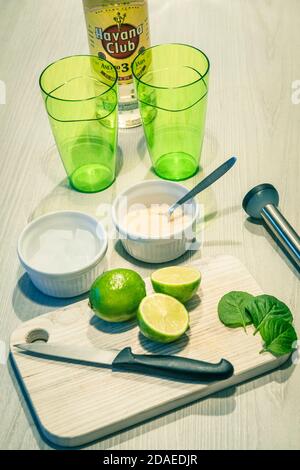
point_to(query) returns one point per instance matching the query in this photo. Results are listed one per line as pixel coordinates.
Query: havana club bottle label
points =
(118, 32)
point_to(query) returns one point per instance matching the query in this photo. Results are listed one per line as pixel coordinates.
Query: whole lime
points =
(116, 295)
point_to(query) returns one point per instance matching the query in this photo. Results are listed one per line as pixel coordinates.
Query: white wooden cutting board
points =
(76, 404)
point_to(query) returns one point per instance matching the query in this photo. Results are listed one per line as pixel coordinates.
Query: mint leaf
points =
(232, 309)
(279, 336)
(264, 307)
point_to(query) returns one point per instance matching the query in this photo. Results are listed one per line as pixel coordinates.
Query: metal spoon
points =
(208, 181)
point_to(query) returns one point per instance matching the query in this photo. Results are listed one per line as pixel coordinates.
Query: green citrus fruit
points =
(116, 295)
(162, 318)
(181, 282)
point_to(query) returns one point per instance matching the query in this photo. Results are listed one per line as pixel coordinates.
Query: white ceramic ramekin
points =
(154, 249)
(63, 284)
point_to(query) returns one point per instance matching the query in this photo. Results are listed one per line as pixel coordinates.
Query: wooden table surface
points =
(254, 50)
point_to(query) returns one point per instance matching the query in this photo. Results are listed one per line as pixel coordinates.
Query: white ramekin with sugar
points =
(52, 236)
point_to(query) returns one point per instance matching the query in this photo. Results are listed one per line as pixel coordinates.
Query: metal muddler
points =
(261, 203)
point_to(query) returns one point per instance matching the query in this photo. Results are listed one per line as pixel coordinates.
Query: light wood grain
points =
(254, 50)
(77, 404)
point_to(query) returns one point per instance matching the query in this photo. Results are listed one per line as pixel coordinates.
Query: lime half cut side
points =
(162, 318)
(181, 282)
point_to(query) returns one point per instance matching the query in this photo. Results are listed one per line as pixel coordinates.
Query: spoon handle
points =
(208, 181)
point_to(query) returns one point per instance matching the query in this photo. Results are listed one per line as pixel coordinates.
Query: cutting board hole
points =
(37, 335)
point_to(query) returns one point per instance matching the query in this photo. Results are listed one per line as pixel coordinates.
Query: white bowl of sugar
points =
(63, 252)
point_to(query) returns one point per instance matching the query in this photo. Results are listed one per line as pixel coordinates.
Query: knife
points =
(173, 366)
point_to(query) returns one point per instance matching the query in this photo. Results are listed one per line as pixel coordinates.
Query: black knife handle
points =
(173, 366)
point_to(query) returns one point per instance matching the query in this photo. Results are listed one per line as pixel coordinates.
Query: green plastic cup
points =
(171, 81)
(80, 95)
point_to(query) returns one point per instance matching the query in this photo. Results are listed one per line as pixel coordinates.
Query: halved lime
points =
(181, 282)
(162, 318)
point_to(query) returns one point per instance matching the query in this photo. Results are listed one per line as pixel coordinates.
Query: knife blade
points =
(89, 355)
(165, 365)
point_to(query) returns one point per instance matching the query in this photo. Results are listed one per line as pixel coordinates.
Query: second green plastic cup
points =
(81, 99)
(172, 84)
